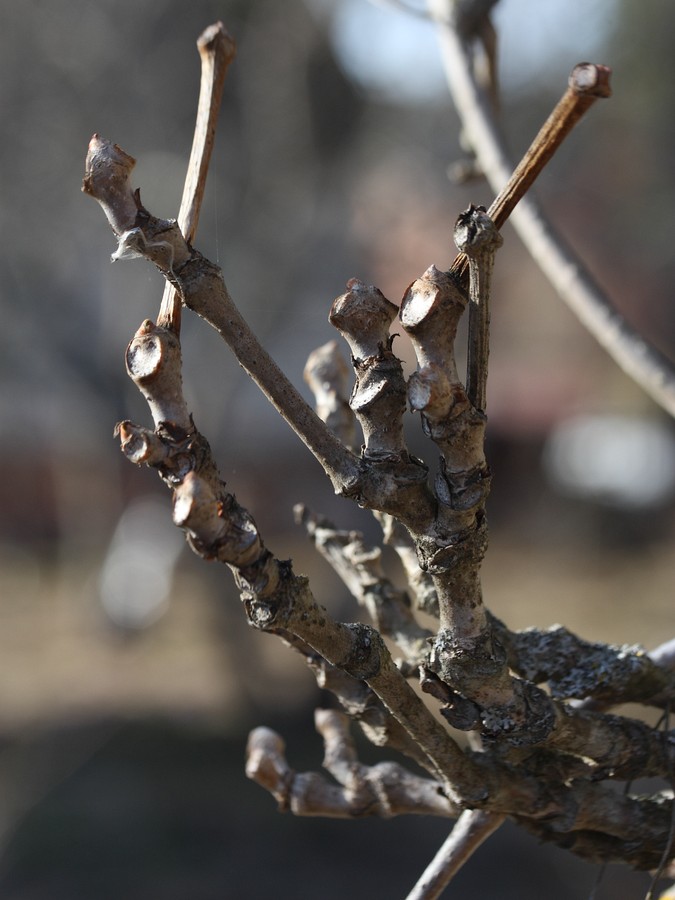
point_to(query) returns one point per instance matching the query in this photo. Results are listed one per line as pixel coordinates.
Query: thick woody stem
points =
(363, 316)
(216, 50)
(430, 313)
(575, 668)
(360, 651)
(153, 361)
(392, 480)
(464, 654)
(594, 821)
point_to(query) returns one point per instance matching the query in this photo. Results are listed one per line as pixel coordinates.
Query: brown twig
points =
(587, 83)
(217, 50)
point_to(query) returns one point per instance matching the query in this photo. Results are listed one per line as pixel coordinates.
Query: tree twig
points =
(472, 828)
(217, 50)
(359, 565)
(649, 368)
(587, 83)
(108, 180)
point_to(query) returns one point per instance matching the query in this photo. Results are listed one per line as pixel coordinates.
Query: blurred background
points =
(124, 713)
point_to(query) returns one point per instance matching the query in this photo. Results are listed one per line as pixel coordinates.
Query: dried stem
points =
(363, 316)
(587, 83)
(327, 375)
(385, 789)
(359, 566)
(217, 50)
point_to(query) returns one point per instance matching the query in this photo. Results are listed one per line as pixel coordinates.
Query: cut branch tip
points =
(591, 79)
(216, 39)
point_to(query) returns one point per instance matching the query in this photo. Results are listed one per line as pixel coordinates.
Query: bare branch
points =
(385, 789)
(646, 365)
(420, 582)
(587, 83)
(217, 50)
(359, 566)
(363, 706)
(471, 829)
(575, 668)
(542, 758)
(107, 179)
(362, 316)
